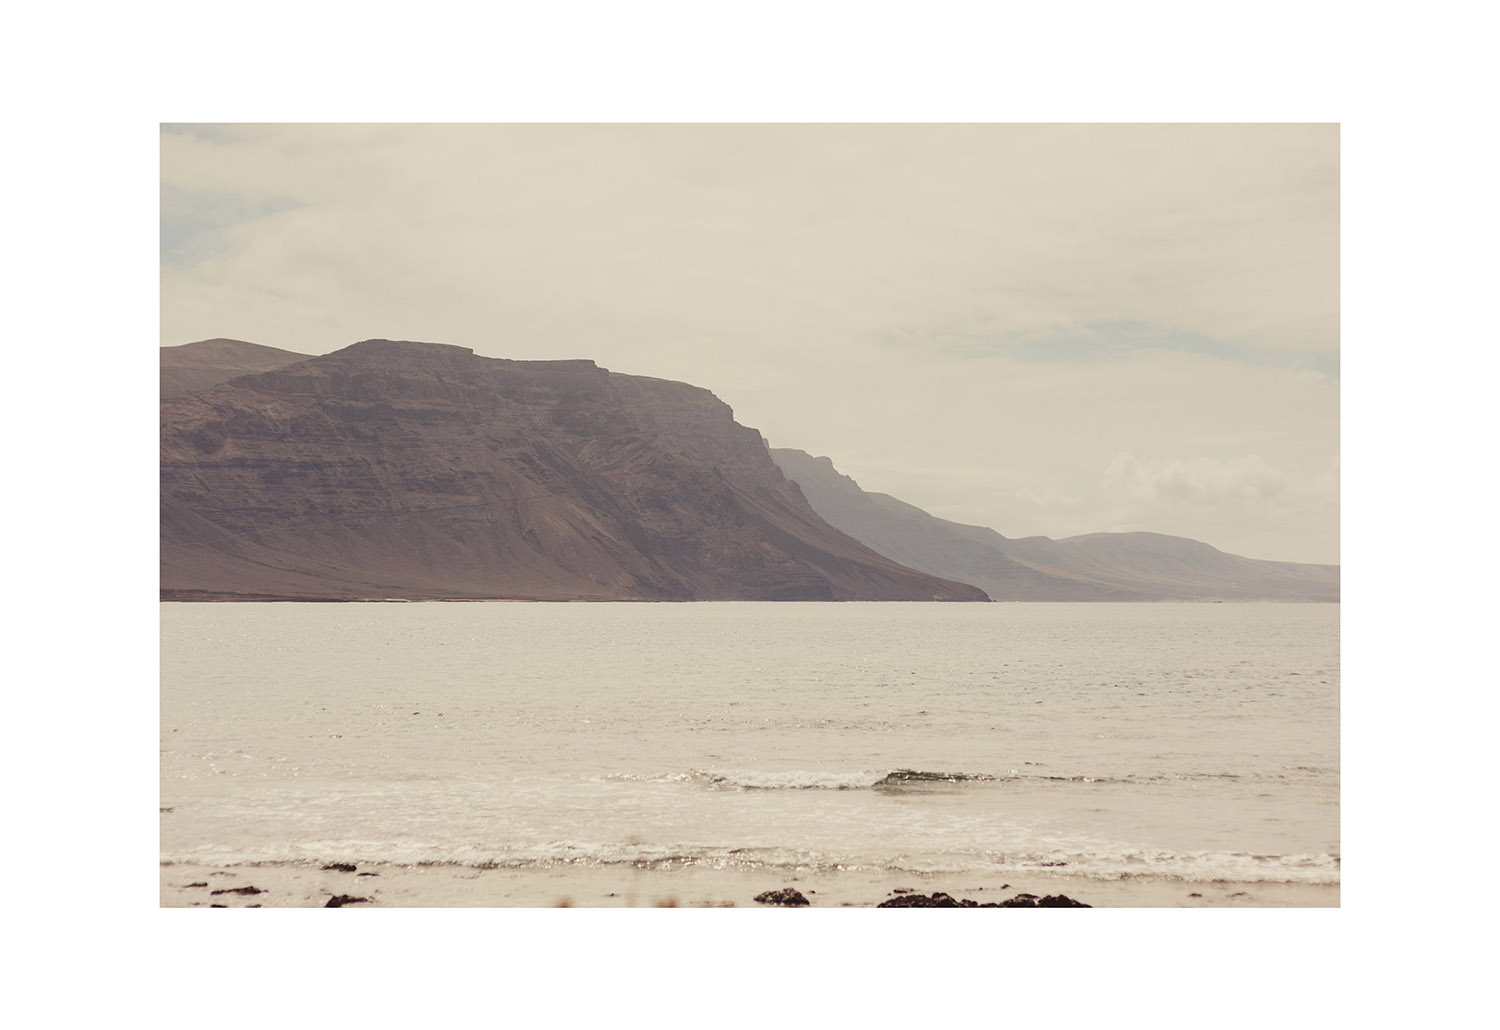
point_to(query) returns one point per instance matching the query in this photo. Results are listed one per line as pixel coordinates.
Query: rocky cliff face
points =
(1094, 567)
(398, 469)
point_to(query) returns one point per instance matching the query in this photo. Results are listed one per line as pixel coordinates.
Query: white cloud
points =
(1246, 478)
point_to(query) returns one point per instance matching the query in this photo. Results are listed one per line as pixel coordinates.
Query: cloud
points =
(195, 223)
(1116, 341)
(1246, 478)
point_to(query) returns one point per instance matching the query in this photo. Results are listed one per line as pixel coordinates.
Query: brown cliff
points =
(417, 470)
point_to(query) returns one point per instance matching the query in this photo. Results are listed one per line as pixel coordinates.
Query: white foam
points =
(797, 779)
(1096, 864)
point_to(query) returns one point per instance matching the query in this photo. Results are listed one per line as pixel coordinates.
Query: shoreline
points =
(205, 597)
(286, 885)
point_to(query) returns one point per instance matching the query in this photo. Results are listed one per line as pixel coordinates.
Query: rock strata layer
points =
(423, 471)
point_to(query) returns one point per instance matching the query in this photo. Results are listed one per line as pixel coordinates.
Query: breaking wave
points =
(805, 780)
(876, 779)
(1101, 863)
(836, 781)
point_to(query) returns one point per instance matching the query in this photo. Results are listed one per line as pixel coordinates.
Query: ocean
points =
(1178, 744)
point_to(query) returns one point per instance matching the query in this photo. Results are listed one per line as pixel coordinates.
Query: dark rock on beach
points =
(238, 890)
(340, 900)
(1050, 901)
(1020, 901)
(936, 900)
(785, 896)
(940, 900)
(340, 867)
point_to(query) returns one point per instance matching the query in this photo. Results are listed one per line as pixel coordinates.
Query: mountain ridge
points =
(425, 471)
(1137, 566)
(203, 364)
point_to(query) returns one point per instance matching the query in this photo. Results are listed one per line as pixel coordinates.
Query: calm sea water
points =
(1191, 741)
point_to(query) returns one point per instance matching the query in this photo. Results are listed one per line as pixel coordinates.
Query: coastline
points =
(287, 885)
(229, 597)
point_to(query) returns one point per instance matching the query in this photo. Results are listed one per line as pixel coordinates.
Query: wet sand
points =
(302, 886)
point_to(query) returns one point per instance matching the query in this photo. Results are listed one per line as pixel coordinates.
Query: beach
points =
(395, 886)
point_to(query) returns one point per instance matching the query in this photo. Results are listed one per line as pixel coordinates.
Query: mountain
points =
(197, 366)
(418, 470)
(1094, 567)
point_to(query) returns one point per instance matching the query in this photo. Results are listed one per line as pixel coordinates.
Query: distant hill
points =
(1094, 567)
(198, 366)
(419, 470)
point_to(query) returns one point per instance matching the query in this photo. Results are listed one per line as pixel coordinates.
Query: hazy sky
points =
(1042, 329)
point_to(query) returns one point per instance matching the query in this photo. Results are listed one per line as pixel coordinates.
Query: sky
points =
(1044, 329)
